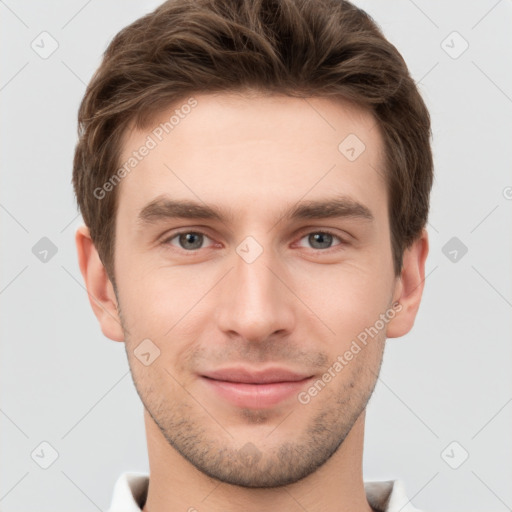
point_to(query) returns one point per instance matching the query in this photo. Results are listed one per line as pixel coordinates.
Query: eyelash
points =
(167, 240)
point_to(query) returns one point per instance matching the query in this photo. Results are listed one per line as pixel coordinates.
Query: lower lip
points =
(256, 396)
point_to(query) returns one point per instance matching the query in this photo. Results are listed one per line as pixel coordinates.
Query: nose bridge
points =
(254, 302)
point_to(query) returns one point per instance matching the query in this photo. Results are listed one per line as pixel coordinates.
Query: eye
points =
(187, 240)
(193, 240)
(322, 239)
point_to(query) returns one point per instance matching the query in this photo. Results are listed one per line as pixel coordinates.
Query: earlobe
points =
(99, 288)
(409, 287)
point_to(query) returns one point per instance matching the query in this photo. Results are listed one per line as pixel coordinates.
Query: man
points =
(254, 178)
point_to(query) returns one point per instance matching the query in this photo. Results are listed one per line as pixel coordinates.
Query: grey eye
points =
(320, 240)
(190, 241)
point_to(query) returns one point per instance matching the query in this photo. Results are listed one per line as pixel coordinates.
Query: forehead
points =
(255, 150)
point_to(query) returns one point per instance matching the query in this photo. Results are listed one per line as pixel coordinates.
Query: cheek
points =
(347, 298)
(158, 301)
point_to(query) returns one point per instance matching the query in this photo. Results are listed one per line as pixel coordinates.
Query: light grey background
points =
(448, 380)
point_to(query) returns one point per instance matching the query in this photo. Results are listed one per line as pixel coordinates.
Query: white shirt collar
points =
(131, 489)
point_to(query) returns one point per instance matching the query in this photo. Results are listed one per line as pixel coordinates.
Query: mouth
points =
(255, 389)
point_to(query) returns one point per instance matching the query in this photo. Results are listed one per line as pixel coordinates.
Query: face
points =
(281, 262)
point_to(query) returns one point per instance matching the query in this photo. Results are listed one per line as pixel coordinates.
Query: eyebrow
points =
(163, 208)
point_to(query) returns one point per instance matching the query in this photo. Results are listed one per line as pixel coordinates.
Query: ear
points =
(409, 287)
(99, 288)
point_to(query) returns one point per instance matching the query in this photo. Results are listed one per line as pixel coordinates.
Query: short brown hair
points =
(301, 48)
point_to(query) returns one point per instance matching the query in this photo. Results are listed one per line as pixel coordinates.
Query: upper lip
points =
(248, 376)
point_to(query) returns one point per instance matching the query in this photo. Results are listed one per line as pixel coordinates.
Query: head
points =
(255, 178)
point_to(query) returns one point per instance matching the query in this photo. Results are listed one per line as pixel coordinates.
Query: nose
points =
(254, 300)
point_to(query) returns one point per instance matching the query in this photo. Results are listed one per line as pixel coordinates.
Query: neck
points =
(175, 484)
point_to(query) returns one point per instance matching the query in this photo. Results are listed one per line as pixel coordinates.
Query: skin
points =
(298, 305)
